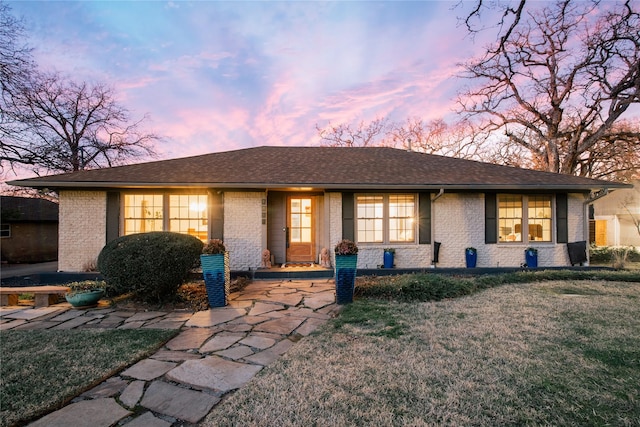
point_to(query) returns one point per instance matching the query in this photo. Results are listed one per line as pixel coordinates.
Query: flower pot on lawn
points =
(84, 299)
(85, 294)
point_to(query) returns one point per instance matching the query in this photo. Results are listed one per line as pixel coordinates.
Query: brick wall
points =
(244, 233)
(458, 224)
(82, 228)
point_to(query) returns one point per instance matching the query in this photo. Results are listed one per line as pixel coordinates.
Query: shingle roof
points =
(320, 168)
(23, 209)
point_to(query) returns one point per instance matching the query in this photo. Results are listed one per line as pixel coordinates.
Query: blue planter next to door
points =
(471, 257)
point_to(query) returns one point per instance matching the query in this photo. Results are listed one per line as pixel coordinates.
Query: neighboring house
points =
(28, 230)
(615, 218)
(295, 201)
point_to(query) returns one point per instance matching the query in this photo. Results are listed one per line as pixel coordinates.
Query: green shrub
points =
(613, 254)
(150, 265)
(435, 287)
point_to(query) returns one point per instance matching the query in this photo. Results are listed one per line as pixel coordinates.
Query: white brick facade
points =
(457, 222)
(82, 229)
(244, 233)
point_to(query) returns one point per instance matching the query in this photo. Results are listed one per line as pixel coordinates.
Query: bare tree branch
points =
(557, 80)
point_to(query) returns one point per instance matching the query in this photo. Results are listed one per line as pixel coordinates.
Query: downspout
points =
(585, 212)
(433, 226)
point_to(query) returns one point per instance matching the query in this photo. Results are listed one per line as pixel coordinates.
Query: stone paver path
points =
(215, 352)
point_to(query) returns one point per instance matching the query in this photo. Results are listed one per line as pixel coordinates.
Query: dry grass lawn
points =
(553, 353)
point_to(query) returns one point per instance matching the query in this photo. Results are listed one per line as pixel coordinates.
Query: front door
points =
(300, 229)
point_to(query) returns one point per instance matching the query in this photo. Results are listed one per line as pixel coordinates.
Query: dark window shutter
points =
(490, 218)
(562, 210)
(113, 216)
(216, 215)
(424, 218)
(348, 210)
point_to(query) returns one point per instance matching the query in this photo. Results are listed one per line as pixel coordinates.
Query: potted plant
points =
(531, 257)
(346, 253)
(389, 254)
(215, 270)
(471, 257)
(85, 294)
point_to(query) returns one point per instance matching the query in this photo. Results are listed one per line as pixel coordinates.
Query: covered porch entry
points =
(295, 228)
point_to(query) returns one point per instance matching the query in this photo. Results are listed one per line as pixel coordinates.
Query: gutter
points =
(34, 183)
(433, 227)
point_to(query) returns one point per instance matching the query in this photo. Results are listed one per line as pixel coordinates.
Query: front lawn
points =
(547, 353)
(43, 369)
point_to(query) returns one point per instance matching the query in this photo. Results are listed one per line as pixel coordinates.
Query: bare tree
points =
(437, 137)
(557, 81)
(432, 137)
(362, 135)
(15, 68)
(67, 126)
(49, 123)
(15, 58)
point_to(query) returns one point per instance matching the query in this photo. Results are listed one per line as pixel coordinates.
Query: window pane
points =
(142, 213)
(539, 208)
(188, 215)
(370, 215)
(510, 218)
(300, 220)
(401, 218)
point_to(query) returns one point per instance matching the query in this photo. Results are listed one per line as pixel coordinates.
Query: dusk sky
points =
(215, 76)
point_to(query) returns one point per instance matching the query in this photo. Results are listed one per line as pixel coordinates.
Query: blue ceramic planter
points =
(388, 259)
(345, 277)
(471, 258)
(84, 299)
(531, 258)
(215, 269)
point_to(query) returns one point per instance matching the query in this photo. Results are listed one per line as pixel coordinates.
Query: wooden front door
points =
(300, 229)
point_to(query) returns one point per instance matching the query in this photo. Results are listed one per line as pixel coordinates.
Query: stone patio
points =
(216, 351)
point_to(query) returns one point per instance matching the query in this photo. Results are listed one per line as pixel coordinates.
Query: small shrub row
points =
(436, 287)
(612, 254)
(152, 266)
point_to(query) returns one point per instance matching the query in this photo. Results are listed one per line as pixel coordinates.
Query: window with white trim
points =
(386, 218)
(143, 213)
(188, 215)
(531, 213)
(180, 213)
(5, 230)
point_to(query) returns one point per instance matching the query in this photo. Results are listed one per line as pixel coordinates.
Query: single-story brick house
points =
(295, 201)
(28, 230)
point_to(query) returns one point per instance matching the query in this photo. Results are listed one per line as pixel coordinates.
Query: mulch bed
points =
(191, 296)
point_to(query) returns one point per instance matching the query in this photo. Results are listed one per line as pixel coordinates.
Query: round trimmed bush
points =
(150, 265)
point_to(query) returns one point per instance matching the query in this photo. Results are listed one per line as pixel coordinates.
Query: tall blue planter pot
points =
(531, 258)
(388, 259)
(471, 258)
(215, 269)
(345, 278)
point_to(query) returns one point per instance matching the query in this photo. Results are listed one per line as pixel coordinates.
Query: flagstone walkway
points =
(216, 351)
